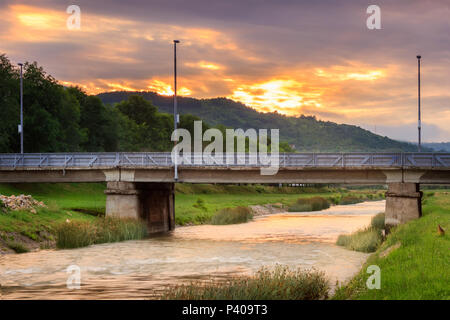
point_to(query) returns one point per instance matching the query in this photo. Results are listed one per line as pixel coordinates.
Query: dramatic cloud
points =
(292, 56)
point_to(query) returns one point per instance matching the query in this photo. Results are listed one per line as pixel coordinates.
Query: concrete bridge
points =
(141, 185)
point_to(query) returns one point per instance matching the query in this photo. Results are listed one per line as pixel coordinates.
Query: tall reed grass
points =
(309, 204)
(232, 216)
(279, 283)
(81, 234)
(364, 240)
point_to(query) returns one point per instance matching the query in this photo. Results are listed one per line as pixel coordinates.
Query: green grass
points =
(419, 267)
(280, 283)
(66, 196)
(35, 225)
(232, 216)
(77, 234)
(364, 240)
(216, 197)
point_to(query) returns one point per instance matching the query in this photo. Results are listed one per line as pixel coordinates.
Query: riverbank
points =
(83, 204)
(194, 254)
(414, 259)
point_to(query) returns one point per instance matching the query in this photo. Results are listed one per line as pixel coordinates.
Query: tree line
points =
(67, 119)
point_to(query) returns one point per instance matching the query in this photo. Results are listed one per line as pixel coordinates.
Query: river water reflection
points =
(136, 269)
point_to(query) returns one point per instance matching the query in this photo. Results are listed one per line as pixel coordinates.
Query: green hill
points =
(305, 132)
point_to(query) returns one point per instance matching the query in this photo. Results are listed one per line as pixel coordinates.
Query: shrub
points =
(17, 246)
(280, 283)
(200, 204)
(378, 221)
(309, 204)
(350, 200)
(232, 216)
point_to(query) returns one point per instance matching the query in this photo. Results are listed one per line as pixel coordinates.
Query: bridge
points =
(141, 185)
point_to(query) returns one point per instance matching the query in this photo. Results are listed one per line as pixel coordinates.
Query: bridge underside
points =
(148, 193)
(150, 202)
(367, 175)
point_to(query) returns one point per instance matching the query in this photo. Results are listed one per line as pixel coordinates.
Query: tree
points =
(9, 106)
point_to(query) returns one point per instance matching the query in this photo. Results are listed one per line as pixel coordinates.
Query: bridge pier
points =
(403, 203)
(147, 201)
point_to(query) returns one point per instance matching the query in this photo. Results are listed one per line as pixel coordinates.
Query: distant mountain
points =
(438, 146)
(305, 133)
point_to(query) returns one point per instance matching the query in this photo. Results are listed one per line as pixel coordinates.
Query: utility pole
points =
(175, 111)
(418, 93)
(21, 108)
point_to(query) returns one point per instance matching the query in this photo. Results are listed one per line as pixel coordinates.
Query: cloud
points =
(312, 57)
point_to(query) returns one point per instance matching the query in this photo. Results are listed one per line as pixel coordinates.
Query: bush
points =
(309, 204)
(232, 216)
(200, 204)
(2, 207)
(378, 221)
(82, 234)
(350, 200)
(281, 283)
(17, 246)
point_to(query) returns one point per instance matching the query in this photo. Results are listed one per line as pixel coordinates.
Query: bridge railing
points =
(163, 159)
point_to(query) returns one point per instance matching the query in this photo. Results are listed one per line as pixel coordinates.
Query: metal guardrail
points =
(163, 159)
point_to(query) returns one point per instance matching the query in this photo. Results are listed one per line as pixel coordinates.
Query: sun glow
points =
(204, 65)
(342, 73)
(283, 96)
(164, 89)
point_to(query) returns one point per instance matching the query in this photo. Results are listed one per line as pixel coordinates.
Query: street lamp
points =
(419, 127)
(176, 117)
(21, 108)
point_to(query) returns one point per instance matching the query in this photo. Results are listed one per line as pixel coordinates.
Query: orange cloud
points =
(284, 96)
(165, 89)
(204, 65)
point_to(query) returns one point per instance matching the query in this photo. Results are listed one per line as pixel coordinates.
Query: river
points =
(138, 269)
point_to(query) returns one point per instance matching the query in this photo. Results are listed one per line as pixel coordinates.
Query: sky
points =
(290, 56)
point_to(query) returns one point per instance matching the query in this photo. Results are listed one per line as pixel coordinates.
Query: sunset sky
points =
(296, 57)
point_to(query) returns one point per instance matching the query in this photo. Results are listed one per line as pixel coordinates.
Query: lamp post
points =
(175, 112)
(419, 127)
(21, 108)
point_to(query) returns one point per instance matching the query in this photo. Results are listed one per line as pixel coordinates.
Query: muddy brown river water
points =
(138, 269)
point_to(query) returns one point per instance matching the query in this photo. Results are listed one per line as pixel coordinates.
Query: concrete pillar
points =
(403, 203)
(150, 202)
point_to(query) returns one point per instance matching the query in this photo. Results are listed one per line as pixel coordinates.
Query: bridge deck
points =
(163, 160)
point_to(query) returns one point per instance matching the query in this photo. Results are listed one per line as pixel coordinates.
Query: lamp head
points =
(418, 57)
(20, 64)
(176, 41)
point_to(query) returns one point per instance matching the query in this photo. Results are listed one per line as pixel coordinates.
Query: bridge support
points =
(150, 202)
(403, 203)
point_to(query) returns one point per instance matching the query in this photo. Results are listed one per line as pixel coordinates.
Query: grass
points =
(192, 209)
(77, 234)
(280, 283)
(419, 266)
(364, 240)
(188, 209)
(66, 196)
(232, 216)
